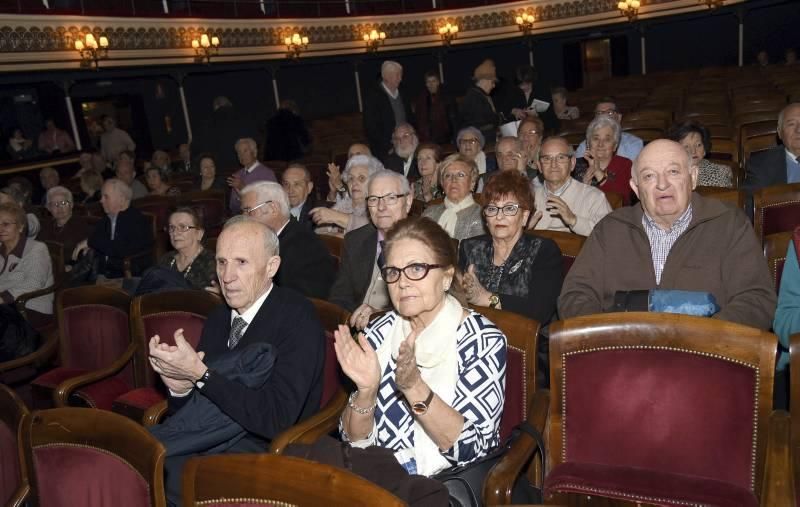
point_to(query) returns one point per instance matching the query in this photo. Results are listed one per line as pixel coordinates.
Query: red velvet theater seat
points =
(661, 409)
(92, 458)
(161, 314)
(570, 245)
(95, 349)
(13, 475)
(776, 209)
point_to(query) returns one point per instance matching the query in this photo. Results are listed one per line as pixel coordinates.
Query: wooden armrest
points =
(65, 389)
(778, 485)
(498, 486)
(39, 356)
(154, 414)
(316, 426)
(22, 299)
(127, 262)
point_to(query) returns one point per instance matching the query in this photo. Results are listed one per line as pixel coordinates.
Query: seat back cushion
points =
(514, 406)
(164, 324)
(779, 217)
(96, 335)
(332, 375)
(9, 463)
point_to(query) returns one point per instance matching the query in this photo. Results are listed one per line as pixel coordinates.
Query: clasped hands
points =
(178, 365)
(476, 292)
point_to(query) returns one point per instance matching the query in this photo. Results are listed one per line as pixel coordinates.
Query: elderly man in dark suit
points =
(306, 265)
(296, 180)
(780, 164)
(403, 158)
(359, 286)
(385, 108)
(256, 310)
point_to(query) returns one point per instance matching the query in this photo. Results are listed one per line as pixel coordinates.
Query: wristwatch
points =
(199, 383)
(421, 407)
(494, 300)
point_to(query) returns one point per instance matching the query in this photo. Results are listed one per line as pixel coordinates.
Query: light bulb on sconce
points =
(91, 52)
(204, 48)
(373, 40)
(448, 32)
(295, 44)
(629, 8)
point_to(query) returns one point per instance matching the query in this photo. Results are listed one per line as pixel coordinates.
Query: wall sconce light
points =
(448, 32)
(295, 45)
(713, 4)
(205, 48)
(91, 50)
(373, 40)
(629, 8)
(525, 23)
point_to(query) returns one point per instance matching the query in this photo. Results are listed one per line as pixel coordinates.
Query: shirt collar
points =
(559, 191)
(250, 169)
(791, 157)
(392, 94)
(297, 209)
(17, 251)
(251, 312)
(679, 224)
(279, 231)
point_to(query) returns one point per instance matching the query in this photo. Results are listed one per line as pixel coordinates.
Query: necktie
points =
(237, 330)
(381, 258)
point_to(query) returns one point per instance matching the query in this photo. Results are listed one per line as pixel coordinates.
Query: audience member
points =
(336, 186)
(359, 287)
(530, 132)
(157, 182)
(600, 167)
(350, 210)
(86, 164)
(296, 181)
(508, 269)
(64, 228)
(478, 109)
(256, 312)
(629, 145)
(53, 140)
(674, 240)
(49, 178)
(429, 359)
(126, 172)
(287, 135)
(790, 57)
(521, 100)
(470, 143)
(435, 112)
(252, 170)
(13, 194)
(91, 183)
(25, 265)
(696, 140)
(459, 214)
(762, 58)
(787, 315)
(190, 258)
(306, 265)
(19, 147)
(114, 140)
(386, 108)
(222, 130)
(780, 164)
(560, 107)
(562, 202)
(508, 153)
(426, 188)
(208, 179)
(184, 163)
(124, 231)
(161, 161)
(404, 147)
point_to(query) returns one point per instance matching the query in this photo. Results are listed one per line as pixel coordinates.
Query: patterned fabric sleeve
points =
(480, 391)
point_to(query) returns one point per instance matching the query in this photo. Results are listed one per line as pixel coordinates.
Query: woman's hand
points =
(357, 359)
(334, 180)
(406, 373)
(594, 172)
(476, 292)
(324, 215)
(518, 113)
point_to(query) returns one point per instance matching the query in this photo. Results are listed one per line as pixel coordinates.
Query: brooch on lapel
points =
(515, 266)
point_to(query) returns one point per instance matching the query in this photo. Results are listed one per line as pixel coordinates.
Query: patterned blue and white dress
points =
(479, 396)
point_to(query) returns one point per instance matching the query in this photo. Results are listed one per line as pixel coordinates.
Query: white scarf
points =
(480, 161)
(449, 217)
(437, 357)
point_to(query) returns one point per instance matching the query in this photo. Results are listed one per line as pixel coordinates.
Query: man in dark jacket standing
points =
(385, 109)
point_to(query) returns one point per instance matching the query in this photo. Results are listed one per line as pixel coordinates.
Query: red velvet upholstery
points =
(87, 476)
(141, 398)
(661, 488)
(102, 394)
(779, 217)
(639, 407)
(164, 325)
(56, 376)
(331, 376)
(514, 406)
(9, 463)
(566, 264)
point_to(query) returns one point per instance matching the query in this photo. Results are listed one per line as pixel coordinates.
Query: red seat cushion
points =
(54, 377)
(103, 393)
(142, 398)
(637, 484)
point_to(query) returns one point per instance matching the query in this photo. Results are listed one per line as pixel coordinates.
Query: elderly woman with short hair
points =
(190, 259)
(157, 181)
(350, 210)
(696, 140)
(600, 166)
(459, 214)
(426, 187)
(64, 228)
(470, 143)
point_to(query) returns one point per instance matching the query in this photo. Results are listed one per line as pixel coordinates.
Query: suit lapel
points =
(368, 247)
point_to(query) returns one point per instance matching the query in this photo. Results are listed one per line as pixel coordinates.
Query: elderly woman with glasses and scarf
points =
(459, 214)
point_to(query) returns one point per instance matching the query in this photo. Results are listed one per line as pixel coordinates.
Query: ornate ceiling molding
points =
(45, 42)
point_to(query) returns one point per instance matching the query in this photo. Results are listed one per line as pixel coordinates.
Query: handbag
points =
(465, 483)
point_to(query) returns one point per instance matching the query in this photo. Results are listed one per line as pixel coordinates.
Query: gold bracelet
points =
(358, 410)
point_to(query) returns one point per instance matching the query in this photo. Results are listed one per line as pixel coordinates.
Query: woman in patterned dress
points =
(696, 140)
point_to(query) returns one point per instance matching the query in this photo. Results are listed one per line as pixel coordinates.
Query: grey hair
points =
(405, 187)
(249, 142)
(120, 186)
(271, 244)
(390, 65)
(600, 122)
(510, 139)
(783, 111)
(58, 190)
(300, 167)
(373, 164)
(570, 149)
(471, 130)
(458, 157)
(47, 170)
(269, 191)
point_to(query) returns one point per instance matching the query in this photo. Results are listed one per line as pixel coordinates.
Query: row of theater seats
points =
(662, 409)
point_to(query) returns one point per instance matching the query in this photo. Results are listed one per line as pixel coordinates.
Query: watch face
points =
(419, 408)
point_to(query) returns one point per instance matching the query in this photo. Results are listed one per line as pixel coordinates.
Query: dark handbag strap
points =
(528, 428)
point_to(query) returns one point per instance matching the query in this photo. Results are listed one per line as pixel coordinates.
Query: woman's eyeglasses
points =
(414, 272)
(59, 204)
(178, 228)
(460, 175)
(464, 142)
(509, 210)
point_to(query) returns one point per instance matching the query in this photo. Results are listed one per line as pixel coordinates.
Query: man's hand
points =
(556, 206)
(534, 219)
(235, 182)
(178, 362)
(80, 248)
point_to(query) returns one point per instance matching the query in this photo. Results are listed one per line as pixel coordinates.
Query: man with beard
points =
(402, 159)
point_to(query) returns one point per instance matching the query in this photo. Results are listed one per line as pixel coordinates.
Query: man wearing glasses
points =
(629, 145)
(306, 265)
(564, 203)
(359, 287)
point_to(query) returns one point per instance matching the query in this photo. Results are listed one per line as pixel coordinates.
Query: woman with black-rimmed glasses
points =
(424, 358)
(194, 262)
(459, 214)
(508, 269)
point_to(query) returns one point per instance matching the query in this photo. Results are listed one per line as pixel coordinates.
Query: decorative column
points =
(179, 78)
(66, 85)
(740, 15)
(273, 72)
(643, 49)
(439, 54)
(356, 63)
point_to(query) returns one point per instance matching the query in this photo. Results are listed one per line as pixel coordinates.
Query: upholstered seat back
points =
(660, 408)
(94, 335)
(164, 324)
(779, 217)
(331, 373)
(514, 410)
(13, 479)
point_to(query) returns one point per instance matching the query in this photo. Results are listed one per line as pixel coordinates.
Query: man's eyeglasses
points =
(249, 211)
(471, 141)
(388, 199)
(509, 210)
(414, 272)
(460, 175)
(510, 154)
(402, 137)
(607, 112)
(178, 228)
(531, 132)
(59, 204)
(561, 158)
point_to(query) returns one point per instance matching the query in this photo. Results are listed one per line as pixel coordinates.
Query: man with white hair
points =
(306, 265)
(675, 239)
(124, 231)
(252, 170)
(629, 145)
(385, 109)
(65, 227)
(403, 158)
